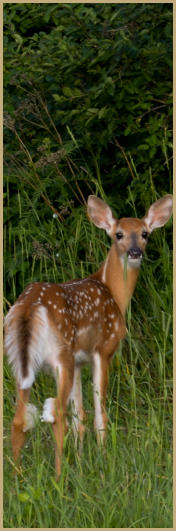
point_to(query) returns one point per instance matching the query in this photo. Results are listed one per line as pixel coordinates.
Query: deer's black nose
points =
(135, 252)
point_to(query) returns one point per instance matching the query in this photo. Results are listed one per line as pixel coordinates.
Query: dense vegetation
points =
(88, 109)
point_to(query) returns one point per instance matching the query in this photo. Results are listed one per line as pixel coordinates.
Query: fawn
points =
(82, 321)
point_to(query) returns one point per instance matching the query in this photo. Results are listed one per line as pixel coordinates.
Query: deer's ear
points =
(159, 213)
(100, 213)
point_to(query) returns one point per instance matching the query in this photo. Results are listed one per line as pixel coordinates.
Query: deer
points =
(67, 325)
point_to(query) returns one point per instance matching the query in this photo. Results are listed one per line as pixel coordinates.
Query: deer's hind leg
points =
(55, 409)
(64, 385)
(18, 424)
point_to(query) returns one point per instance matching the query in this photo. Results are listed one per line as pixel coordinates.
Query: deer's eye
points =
(119, 235)
(144, 234)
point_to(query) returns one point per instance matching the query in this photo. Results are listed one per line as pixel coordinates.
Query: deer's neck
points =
(120, 282)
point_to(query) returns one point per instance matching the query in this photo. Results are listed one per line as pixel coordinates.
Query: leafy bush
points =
(88, 108)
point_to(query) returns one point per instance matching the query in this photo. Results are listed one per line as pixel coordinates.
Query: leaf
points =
(23, 497)
(18, 39)
(67, 91)
(58, 98)
(102, 112)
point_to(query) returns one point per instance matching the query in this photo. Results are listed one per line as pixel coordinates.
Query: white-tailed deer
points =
(82, 321)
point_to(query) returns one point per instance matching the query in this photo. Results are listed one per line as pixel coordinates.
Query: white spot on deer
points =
(31, 417)
(116, 325)
(48, 411)
(27, 382)
(83, 330)
(104, 270)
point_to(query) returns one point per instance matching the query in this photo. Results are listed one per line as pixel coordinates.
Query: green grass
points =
(129, 482)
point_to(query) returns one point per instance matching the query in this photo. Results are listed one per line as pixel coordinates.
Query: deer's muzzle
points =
(135, 252)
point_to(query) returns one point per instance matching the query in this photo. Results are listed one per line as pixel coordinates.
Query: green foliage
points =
(88, 109)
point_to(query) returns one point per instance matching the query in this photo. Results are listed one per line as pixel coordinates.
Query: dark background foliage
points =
(88, 108)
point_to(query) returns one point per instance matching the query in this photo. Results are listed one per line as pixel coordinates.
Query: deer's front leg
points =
(100, 381)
